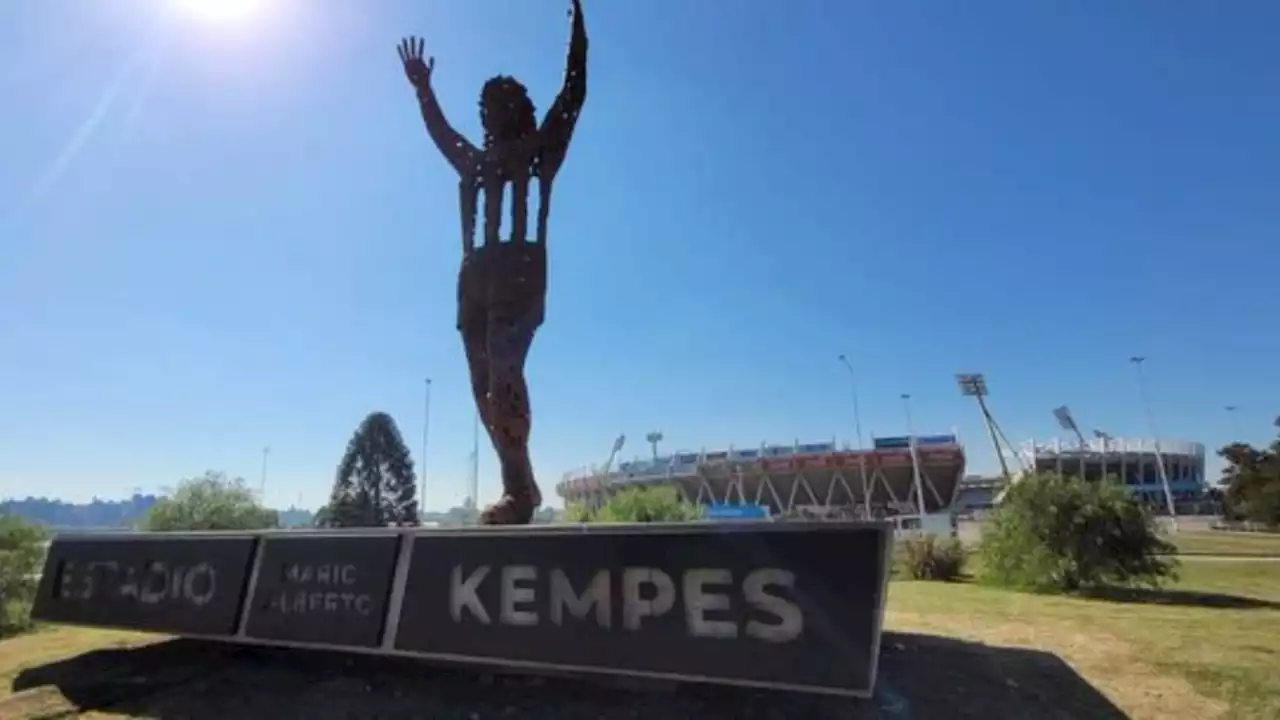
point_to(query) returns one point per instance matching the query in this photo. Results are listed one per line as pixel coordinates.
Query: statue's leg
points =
(511, 419)
(473, 324)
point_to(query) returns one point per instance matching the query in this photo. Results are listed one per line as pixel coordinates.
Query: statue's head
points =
(506, 112)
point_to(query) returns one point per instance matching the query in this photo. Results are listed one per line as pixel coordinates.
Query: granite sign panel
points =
(329, 590)
(189, 585)
(759, 603)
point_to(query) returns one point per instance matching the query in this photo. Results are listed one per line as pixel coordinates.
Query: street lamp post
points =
(915, 455)
(857, 429)
(1138, 362)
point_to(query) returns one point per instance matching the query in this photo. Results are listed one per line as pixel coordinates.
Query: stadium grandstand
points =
(809, 480)
(1134, 461)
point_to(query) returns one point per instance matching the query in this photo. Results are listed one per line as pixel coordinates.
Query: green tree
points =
(1058, 533)
(210, 502)
(22, 550)
(652, 503)
(375, 484)
(1251, 480)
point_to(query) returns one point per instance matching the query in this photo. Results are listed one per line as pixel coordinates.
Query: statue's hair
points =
(506, 110)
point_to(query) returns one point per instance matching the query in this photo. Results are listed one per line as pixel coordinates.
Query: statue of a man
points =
(502, 284)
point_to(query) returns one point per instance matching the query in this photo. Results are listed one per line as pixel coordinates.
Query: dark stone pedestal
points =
(782, 605)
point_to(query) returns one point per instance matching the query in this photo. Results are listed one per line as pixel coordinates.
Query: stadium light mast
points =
(857, 429)
(1067, 422)
(915, 455)
(653, 438)
(974, 385)
(1138, 362)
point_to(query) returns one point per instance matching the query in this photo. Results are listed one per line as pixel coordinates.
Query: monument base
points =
(790, 606)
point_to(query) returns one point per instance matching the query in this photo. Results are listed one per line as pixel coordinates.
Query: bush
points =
(638, 504)
(1063, 534)
(930, 557)
(210, 502)
(21, 556)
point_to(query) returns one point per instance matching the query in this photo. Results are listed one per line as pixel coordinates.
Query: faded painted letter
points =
(634, 605)
(563, 596)
(513, 594)
(463, 594)
(790, 620)
(698, 600)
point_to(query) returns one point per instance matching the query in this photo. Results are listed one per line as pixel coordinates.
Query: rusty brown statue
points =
(502, 284)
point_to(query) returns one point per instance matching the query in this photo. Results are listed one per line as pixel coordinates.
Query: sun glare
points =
(220, 10)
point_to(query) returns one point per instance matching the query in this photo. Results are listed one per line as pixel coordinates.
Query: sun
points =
(220, 10)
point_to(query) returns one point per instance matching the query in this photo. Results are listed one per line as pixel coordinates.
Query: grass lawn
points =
(1191, 655)
(1217, 542)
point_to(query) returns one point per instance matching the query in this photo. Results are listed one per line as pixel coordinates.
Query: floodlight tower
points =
(653, 438)
(974, 385)
(1065, 421)
(1137, 361)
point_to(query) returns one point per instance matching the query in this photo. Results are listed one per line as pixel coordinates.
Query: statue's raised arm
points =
(557, 126)
(460, 153)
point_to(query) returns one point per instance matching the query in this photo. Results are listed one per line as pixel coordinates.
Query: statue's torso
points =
(503, 277)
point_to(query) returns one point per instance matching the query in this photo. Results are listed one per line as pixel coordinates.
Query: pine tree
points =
(375, 483)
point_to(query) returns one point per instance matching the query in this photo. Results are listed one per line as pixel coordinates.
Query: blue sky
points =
(216, 236)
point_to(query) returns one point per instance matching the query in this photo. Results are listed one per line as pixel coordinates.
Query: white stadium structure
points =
(821, 480)
(797, 479)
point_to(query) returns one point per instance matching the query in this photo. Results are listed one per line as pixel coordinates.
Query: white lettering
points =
(203, 571)
(462, 595)
(597, 594)
(512, 595)
(319, 574)
(634, 605)
(756, 591)
(697, 601)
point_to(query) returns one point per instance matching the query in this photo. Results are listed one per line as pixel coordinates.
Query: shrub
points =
(930, 557)
(638, 504)
(1064, 534)
(21, 557)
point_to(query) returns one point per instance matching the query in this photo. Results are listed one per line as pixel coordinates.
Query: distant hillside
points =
(109, 514)
(125, 514)
(95, 514)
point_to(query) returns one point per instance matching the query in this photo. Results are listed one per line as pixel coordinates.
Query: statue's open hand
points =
(415, 68)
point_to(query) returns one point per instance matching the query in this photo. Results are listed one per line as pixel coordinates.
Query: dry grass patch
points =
(53, 644)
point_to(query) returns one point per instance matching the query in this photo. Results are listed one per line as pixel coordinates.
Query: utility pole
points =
(915, 455)
(1138, 362)
(1235, 423)
(474, 489)
(262, 483)
(857, 430)
(422, 459)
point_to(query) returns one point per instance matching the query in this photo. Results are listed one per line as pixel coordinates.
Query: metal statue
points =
(502, 284)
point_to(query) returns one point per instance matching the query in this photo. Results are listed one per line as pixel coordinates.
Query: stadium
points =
(823, 481)
(817, 480)
(1135, 461)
